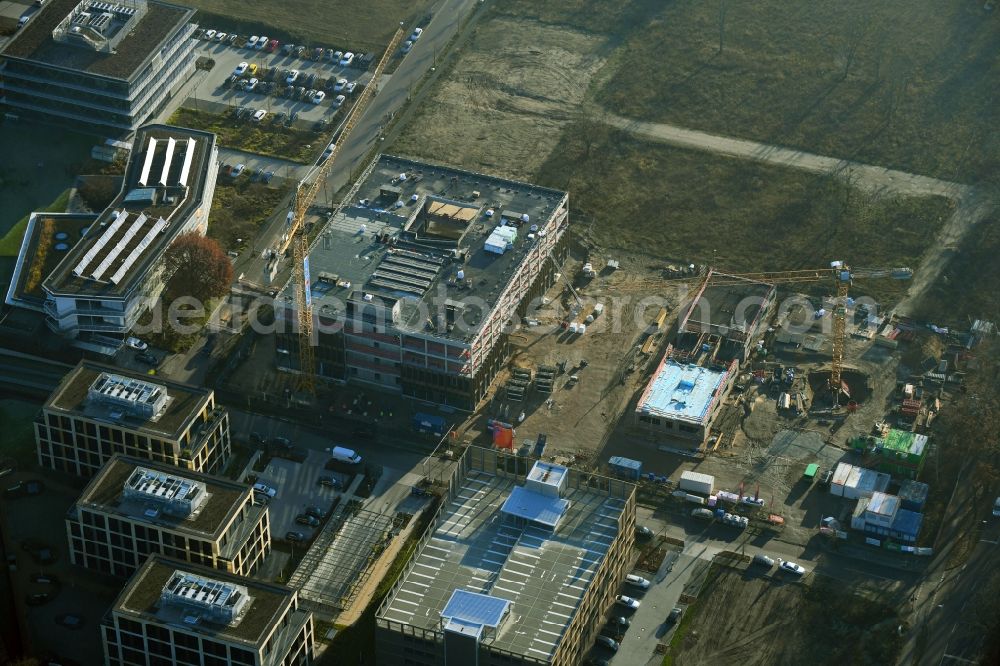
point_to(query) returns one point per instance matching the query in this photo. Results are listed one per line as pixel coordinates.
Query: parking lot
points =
(215, 93)
(297, 488)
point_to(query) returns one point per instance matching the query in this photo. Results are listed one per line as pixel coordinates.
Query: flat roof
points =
(681, 392)
(536, 507)
(132, 233)
(225, 498)
(475, 608)
(141, 597)
(883, 504)
(543, 574)
(905, 442)
(730, 302)
(414, 262)
(34, 41)
(48, 239)
(71, 397)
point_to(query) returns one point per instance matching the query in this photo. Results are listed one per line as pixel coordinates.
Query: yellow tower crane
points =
(305, 195)
(838, 271)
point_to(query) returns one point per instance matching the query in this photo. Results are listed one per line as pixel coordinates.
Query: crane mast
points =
(305, 195)
(842, 275)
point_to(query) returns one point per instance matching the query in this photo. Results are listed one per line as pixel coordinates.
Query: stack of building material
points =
(544, 378)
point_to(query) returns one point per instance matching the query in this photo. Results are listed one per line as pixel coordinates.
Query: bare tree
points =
(856, 35)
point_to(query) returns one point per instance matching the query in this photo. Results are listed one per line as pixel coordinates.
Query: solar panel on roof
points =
(120, 218)
(171, 142)
(117, 249)
(188, 158)
(150, 152)
(139, 249)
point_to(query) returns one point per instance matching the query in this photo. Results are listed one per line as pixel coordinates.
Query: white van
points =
(340, 454)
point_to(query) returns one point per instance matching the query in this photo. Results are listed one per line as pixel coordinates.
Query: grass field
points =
(10, 244)
(18, 441)
(968, 286)
(360, 26)
(239, 209)
(910, 84)
(633, 196)
(264, 138)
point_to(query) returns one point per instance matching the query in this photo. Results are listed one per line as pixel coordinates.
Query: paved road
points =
(279, 167)
(972, 205)
(389, 99)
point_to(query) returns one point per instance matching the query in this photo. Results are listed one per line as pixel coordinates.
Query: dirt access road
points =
(972, 205)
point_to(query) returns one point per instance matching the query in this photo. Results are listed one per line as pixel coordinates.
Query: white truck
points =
(344, 455)
(696, 482)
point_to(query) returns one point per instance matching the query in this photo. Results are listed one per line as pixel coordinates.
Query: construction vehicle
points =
(841, 274)
(305, 194)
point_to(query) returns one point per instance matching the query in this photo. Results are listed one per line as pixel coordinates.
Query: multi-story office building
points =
(518, 567)
(104, 66)
(415, 284)
(178, 614)
(99, 411)
(134, 507)
(111, 275)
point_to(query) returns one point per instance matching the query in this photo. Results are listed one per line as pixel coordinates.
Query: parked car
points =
(416, 34)
(136, 343)
(292, 77)
(251, 84)
(69, 620)
(340, 85)
(252, 69)
(643, 532)
(621, 622)
(221, 37)
(316, 512)
(241, 68)
(349, 88)
(265, 489)
(337, 55)
(306, 519)
(826, 477)
(233, 38)
(258, 174)
(329, 151)
(299, 51)
(627, 601)
(238, 169)
(268, 175)
(791, 567)
(44, 579)
(338, 101)
(638, 581)
(252, 42)
(318, 97)
(261, 43)
(347, 59)
(329, 54)
(329, 482)
(259, 115)
(295, 537)
(317, 53)
(38, 598)
(407, 45)
(272, 46)
(763, 560)
(147, 358)
(209, 35)
(675, 614)
(288, 49)
(608, 642)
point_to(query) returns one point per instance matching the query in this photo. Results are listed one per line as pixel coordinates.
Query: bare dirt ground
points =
(770, 619)
(503, 107)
